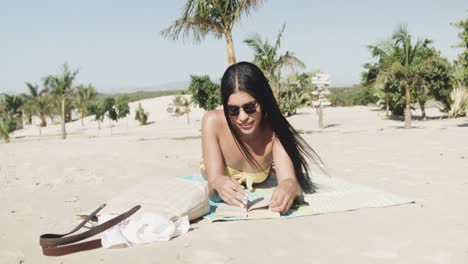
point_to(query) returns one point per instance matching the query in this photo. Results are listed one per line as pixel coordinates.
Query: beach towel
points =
(333, 195)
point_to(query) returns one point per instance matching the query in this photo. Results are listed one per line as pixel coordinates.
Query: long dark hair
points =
(247, 77)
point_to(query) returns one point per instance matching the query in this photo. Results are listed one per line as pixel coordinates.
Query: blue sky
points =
(116, 44)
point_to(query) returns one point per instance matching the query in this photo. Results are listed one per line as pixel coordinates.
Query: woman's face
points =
(244, 111)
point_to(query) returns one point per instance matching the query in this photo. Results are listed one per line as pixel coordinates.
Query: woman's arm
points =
(288, 187)
(228, 189)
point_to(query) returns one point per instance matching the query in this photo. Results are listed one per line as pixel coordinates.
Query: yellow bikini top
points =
(248, 177)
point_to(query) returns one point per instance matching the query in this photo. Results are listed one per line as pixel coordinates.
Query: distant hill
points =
(334, 85)
(170, 86)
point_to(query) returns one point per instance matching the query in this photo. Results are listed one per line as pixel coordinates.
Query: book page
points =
(224, 209)
(259, 203)
(257, 207)
(263, 213)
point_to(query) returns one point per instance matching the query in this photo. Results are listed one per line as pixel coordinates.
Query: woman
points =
(241, 142)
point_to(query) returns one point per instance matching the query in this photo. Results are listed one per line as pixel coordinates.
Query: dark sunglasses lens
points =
(250, 108)
(233, 110)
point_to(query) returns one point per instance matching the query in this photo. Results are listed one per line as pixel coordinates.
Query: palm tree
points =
(56, 107)
(84, 98)
(43, 106)
(218, 17)
(399, 62)
(10, 115)
(405, 67)
(268, 59)
(61, 86)
(37, 103)
(14, 105)
(7, 125)
(29, 105)
(377, 76)
(462, 59)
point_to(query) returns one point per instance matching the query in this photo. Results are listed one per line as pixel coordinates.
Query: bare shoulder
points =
(213, 119)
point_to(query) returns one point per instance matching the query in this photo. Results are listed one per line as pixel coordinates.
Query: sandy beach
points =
(45, 181)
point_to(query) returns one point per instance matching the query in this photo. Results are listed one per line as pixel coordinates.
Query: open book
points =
(257, 207)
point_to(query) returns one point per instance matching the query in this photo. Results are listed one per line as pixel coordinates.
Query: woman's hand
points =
(284, 195)
(230, 191)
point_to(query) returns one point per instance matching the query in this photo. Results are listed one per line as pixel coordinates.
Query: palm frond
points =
(278, 39)
(200, 17)
(398, 70)
(61, 84)
(289, 60)
(196, 28)
(255, 42)
(243, 7)
(33, 89)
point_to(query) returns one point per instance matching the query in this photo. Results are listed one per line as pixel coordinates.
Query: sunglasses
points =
(249, 108)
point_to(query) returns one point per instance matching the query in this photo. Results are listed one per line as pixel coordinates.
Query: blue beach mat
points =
(333, 195)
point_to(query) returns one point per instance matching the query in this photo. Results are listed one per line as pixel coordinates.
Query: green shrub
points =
(8, 124)
(141, 116)
(438, 80)
(205, 93)
(180, 106)
(296, 91)
(365, 96)
(140, 95)
(355, 95)
(289, 103)
(101, 107)
(121, 106)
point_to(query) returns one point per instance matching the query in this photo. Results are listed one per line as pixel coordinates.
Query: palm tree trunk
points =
(19, 122)
(43, 120)
(422, 105)
(82, 117)
(230, 49)
(320, 116)
(387, 106)
(407, 107)
(64, 132)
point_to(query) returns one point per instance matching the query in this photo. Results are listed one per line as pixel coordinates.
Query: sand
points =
(44, 181)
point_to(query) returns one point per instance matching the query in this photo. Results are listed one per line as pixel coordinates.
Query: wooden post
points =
(321, 116)
(322, 81)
